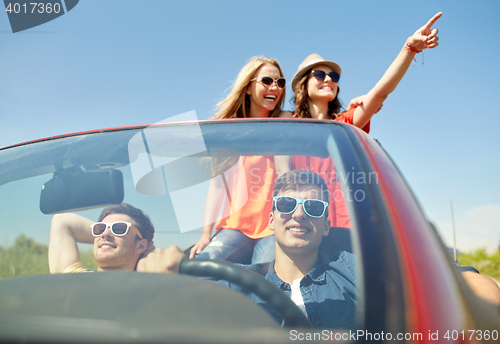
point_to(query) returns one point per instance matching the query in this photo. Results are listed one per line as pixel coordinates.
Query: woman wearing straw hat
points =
(242, 234)
(315, 82)
(316, 96)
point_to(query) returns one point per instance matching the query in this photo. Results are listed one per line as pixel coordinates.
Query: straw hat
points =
(309, 62)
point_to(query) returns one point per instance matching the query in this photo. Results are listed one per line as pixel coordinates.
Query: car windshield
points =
(167, 170)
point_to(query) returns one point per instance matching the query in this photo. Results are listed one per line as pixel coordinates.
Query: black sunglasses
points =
(321, 75)
(312, 207)
(268, 81)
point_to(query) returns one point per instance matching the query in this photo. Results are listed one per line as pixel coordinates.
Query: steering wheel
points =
(252, 281)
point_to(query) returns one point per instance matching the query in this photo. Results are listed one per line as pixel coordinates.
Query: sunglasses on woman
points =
(119, 228)
(268, 81)
(321, 75)
(312, 207)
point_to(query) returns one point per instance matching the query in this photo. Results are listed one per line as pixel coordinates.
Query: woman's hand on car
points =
(199, 246)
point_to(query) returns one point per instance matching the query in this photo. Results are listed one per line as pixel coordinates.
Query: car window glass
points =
(167, 171)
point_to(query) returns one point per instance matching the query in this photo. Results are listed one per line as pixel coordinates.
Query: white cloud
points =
(478, 227)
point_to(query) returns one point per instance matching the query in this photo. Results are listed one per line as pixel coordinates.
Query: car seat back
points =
(339, 239)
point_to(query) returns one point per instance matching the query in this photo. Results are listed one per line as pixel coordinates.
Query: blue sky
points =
(111, 63)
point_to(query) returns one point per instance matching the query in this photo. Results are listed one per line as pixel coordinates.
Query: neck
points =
(258, 113)
(292, 266)
(318, 110)
(126, 267)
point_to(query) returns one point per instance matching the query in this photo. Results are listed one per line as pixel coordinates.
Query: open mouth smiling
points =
(106, 245)
(271, 97)
(298, 229)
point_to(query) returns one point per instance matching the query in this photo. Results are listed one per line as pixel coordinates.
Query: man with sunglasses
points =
(324, 287)
(121, 236)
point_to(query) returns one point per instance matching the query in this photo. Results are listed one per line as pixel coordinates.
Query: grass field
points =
(27, 257)
(487, 264)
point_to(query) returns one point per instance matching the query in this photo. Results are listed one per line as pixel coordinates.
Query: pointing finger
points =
(433, 20)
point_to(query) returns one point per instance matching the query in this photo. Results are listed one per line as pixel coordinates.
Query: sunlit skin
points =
(264, 99)
(118, 252)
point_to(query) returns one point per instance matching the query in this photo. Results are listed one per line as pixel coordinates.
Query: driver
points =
(323, 287)
(122, 235)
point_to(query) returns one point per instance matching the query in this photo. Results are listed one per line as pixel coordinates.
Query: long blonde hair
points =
(237, 102)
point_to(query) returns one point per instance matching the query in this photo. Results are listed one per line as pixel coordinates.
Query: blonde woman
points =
(315, 85)
(258, 91)
(243, 235)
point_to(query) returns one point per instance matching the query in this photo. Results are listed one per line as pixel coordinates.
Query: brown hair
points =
(301, 178)
(301, 99)
(141, 220)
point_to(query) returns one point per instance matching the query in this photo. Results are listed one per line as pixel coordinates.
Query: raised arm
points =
(65, 231)
(423, 38)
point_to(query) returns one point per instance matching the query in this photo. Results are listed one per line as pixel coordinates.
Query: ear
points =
(248, 90)
(271, 221)
(327, 227)
(141, 246)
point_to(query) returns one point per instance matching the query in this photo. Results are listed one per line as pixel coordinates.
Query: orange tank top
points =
(258, 177)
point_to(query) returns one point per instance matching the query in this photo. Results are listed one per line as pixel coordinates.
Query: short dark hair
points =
(141, 220)
(294, 179)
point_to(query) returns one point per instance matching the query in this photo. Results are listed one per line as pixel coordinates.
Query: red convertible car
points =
(410, 289)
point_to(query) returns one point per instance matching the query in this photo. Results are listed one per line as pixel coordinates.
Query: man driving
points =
(324, 287)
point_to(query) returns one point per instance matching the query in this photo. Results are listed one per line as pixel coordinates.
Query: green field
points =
(487, 264)
(27, 257)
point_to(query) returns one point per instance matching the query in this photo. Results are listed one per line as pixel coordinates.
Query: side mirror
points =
(79, 188)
